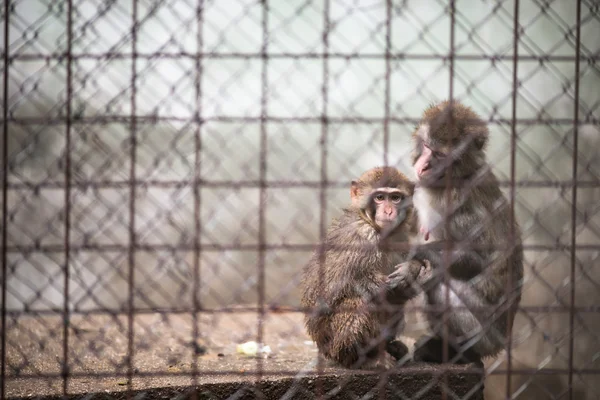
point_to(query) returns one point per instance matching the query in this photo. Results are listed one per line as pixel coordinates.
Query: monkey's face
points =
(449, 140)
(434, 158)
(431, 162)
(427, 160)
(383, 197)
(387, 208)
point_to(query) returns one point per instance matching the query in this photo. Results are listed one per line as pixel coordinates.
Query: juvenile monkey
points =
(451, 139)
(348, 320)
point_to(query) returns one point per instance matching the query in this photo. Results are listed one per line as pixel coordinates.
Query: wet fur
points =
(353, 277)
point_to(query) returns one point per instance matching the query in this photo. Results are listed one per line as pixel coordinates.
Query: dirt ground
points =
(163, 349)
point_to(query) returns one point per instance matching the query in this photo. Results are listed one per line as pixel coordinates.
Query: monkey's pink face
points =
(428, 159)
(389, 210)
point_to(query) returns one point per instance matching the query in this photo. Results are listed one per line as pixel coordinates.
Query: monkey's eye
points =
(439, 154)
(379, 197)
(396, 198)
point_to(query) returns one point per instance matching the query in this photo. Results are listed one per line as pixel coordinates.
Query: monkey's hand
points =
(405, 273)
(405, 282)
(425, 274)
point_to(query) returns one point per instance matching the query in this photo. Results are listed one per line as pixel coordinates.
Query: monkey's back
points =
(503, 267)
(493, 228)
(504, 257)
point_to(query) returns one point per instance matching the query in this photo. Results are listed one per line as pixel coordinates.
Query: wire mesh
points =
(170, 166)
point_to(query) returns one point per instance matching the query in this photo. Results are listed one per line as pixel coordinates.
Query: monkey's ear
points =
(354, 190)
(479, 133)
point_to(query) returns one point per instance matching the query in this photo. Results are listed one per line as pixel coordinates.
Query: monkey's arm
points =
(407, 280)
(463, 264)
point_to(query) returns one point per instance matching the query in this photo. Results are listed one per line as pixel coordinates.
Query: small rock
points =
(252, 349)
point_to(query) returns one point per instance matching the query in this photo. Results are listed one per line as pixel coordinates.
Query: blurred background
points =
(170, 89)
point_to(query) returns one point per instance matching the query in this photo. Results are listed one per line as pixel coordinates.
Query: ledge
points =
(163, 361)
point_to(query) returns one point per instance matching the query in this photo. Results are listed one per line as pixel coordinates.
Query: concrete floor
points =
(163, 358)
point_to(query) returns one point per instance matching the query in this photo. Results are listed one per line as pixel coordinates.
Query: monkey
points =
(449, 143)
(348, 321)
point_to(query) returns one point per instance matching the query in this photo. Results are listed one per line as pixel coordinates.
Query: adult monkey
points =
(349, 320)
(451, 139)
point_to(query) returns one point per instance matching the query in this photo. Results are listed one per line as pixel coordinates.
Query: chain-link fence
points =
(169, 166)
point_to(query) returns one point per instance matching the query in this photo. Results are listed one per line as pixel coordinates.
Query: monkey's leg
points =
(471, 334)
(356, 336)
(431, 349)
(459, 324)
(393, 324)
(393, 346)
(396, 349)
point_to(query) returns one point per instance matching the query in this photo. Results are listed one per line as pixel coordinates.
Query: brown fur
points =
(353, 276)
(454, 124)
(479, 214)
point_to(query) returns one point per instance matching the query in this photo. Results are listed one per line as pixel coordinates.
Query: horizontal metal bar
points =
(414, 370)
(50, 248)
(272, 308)
(541, 58)
(252, 184)
(153, 119)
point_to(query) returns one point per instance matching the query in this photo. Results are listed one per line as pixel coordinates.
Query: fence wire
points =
(170, 166)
